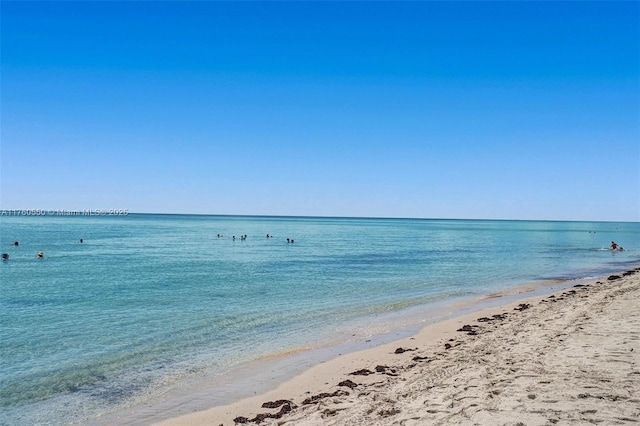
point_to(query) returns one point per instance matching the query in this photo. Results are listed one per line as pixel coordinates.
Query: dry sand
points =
(569, 358)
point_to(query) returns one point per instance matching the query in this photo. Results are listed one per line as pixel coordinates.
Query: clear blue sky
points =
(515, 110)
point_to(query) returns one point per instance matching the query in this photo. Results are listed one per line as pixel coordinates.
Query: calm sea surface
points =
(148, 303)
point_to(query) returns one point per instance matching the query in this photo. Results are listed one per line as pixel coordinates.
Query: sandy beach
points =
(572, 357)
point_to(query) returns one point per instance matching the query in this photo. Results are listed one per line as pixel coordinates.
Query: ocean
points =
(149, 308)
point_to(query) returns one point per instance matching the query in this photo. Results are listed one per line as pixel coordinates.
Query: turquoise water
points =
(149, 301)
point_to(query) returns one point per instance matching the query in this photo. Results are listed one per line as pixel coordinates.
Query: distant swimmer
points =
(5, 256)
(40, 255)
(15, 243)
(81, 241)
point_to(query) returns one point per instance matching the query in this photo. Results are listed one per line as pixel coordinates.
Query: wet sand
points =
(572, 357)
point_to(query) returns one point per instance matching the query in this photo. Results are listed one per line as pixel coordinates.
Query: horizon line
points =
(5, 212)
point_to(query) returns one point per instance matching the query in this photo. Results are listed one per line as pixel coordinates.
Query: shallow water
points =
(149, 302)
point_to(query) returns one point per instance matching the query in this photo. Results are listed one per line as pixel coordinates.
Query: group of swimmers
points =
(289, 240)
(244, 237)
(39, 255)
(5, 256)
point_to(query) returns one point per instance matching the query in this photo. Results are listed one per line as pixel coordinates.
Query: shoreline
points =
(266, 373)
(322, 379)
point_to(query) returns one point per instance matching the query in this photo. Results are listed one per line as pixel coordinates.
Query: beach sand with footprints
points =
(572, 357)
